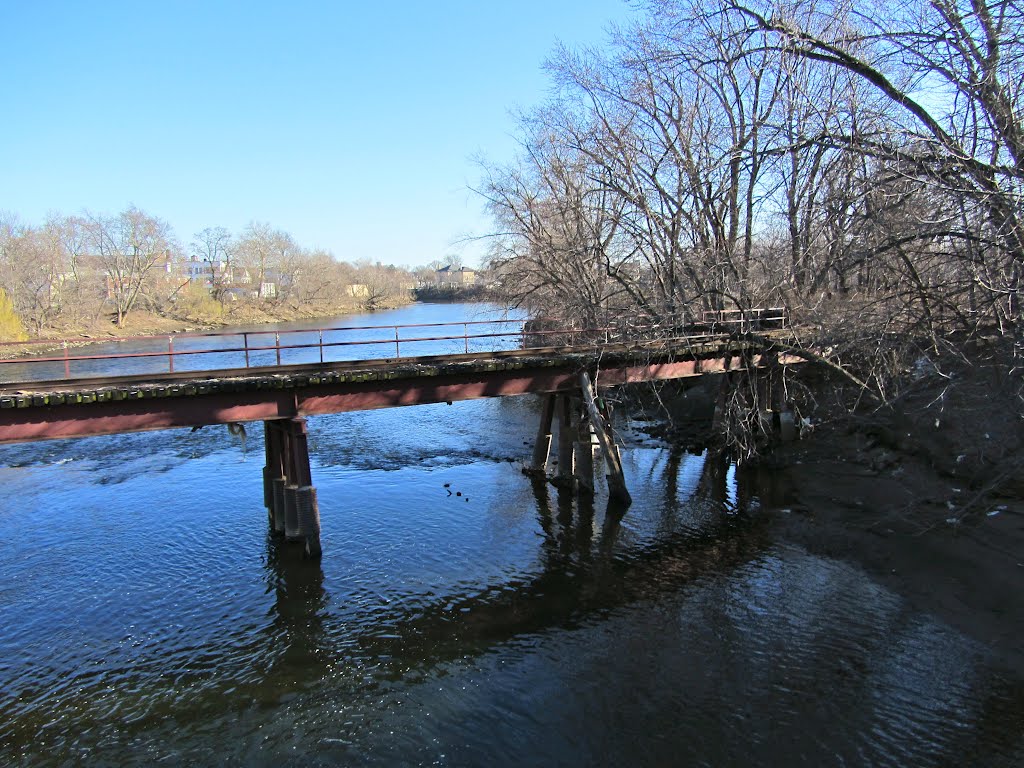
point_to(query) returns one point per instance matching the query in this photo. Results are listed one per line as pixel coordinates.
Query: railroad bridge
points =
(570, 367)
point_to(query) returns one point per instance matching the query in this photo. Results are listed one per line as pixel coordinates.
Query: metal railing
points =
(747, 320)
(248, 345)
(249, 348)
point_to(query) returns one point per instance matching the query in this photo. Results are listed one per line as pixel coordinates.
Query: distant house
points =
(204, 270)
(223, 275)
(357, 290)
(463, 276)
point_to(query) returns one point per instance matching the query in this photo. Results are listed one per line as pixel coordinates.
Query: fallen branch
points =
(814, 357)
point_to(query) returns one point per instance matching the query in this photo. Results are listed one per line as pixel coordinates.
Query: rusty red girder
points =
(42, 422)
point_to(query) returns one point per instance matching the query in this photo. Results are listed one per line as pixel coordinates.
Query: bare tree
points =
(215, 246)
(128, 247)
(650, 160)
(320, 280)
(556, 248)
(34, 271)
(83, 290)
(382, 283)
(951, 76)
(269, 255)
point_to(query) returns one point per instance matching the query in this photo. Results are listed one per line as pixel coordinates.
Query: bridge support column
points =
(309, 518)
(601, 422)
(772, 398)
(291, 514)
(566, 441)
(303, 496)
(288, 484)
(721, 403)
(274, 476)
(764, 380)
(785, 418)
(542, 446)
(585, 457)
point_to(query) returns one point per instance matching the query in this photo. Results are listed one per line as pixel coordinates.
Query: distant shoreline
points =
(141, 323)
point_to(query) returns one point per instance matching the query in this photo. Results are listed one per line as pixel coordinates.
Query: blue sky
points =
(352, 126)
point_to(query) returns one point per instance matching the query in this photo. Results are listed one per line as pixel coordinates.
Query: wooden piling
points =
(303, 512)
(268, 470)
(784, 416)
(764, 378)
(606, 439)
(279, 515)
(274, 476)
(585, 457)
(566, 440)
(542, 446)
(291, 514)
(309, 519)
(718, 419)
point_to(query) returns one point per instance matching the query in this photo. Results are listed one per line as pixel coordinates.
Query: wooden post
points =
(307, 507)
(302, 510)
(764, 374)
(776, 416)
(291, 514)
(606, 439)
(274, 475)
(268, 472)
(566, 440)
(291, 469)
(309, 519)
(542, 446)
(721, 404)
(784, 416)
(585, 457)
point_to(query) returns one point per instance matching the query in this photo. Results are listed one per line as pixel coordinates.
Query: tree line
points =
(859, 162)
(73, 270)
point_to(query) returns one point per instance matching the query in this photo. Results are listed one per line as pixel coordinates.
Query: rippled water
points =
(147, 616)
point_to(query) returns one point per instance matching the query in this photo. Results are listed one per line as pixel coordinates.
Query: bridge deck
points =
(77, 408)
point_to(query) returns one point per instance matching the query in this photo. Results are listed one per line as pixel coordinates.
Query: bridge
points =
(286, 376)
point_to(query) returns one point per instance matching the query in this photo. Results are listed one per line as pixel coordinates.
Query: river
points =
(462, 614)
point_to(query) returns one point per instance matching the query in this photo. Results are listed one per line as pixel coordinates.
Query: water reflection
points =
(298, 612)
(583, 570)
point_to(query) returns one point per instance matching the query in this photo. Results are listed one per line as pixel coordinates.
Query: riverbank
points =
(148, 323)
(902, 523)
(928, 498)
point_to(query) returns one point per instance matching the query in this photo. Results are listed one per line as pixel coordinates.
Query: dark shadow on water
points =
(297, 629)
(585, 571)
(671, 475)
(588, 563)
(714, 479)
(298, 583)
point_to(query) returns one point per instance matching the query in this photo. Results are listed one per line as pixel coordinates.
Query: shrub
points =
(11, 328)
(196, 304)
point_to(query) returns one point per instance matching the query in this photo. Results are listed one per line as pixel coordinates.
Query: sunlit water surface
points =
(462, 614)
